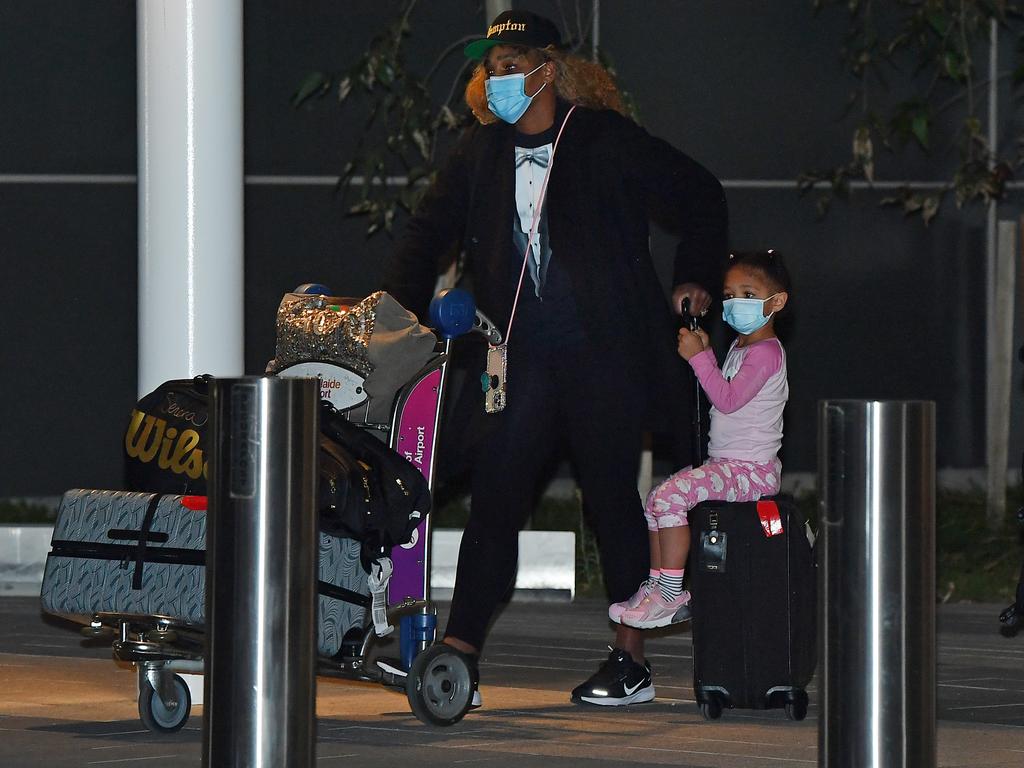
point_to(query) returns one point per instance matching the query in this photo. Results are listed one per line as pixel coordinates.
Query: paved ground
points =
(63, 703)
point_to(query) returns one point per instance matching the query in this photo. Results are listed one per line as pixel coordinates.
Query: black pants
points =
(589, 402)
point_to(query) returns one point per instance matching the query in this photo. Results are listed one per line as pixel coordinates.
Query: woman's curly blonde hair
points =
(577, 81)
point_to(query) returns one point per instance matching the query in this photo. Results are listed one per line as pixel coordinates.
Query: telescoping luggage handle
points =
(693, 324)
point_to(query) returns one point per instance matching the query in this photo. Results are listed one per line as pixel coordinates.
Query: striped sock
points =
(671, 583)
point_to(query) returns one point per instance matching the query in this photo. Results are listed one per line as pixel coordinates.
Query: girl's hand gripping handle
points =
(692, 338)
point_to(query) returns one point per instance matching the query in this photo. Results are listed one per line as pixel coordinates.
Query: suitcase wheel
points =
(440, 685)
(796, 706)
(711, 709)
(158, 716)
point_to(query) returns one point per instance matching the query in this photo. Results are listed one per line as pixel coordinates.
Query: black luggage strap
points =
(123, 553)
(340, 593)
(143, 536)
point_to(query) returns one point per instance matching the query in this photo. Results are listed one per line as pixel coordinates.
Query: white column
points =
(191, 277)
(493, 7)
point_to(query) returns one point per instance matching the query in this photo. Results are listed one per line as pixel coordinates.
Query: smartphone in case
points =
(497, 364)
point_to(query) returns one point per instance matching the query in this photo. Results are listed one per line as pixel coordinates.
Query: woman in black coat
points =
(591, 349)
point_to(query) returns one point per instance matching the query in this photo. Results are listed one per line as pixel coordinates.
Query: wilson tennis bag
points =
(164, 443)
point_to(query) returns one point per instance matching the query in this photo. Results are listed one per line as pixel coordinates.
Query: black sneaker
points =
(617, 682)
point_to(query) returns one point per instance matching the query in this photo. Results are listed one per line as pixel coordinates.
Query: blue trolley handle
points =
(453, 313)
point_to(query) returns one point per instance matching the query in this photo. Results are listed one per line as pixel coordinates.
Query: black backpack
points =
(367, 491)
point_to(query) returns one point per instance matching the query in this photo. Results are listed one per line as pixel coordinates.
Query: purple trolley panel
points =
(414, 438)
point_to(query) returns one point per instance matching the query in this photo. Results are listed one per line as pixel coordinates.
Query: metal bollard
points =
(260, 694)
(877, 584)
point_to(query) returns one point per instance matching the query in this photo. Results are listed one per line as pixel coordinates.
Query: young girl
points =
(747, 396)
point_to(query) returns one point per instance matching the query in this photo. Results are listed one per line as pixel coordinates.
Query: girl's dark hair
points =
(767, 263)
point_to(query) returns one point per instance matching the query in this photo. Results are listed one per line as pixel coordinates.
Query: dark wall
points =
(882, 307)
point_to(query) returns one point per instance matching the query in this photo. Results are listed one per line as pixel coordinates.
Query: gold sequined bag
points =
(328, 329)
(375, 338)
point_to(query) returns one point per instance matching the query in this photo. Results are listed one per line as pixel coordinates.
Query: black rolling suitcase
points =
(753, 580)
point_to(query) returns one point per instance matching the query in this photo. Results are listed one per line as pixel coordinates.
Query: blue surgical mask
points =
(506, 95)
(746, 315)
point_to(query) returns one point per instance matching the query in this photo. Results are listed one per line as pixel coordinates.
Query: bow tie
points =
(538, 156)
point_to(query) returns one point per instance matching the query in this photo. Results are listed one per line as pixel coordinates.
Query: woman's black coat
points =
(610, 178)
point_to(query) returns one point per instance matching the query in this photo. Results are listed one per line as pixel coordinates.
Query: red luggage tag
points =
(194, 503)
(771, 520)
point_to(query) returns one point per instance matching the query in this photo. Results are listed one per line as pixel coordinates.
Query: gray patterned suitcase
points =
(142, 554)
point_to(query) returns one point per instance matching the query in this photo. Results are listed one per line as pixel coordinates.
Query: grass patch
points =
(973, 563)
(17, 512)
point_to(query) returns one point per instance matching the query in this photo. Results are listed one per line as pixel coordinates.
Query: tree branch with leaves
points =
(396, 154)
(402, 125)
(929, 45)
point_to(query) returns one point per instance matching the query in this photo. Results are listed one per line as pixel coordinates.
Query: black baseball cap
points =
(515, 28)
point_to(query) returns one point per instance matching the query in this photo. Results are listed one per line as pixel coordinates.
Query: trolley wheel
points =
(710, 709)
(440, 685)
(155, 715)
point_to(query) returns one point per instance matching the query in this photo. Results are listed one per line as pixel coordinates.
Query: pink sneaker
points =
(615, 610)
(656, 611)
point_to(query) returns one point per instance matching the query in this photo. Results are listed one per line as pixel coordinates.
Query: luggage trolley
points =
(438, 680)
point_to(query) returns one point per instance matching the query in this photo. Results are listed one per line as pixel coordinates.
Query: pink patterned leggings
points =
(718, 479)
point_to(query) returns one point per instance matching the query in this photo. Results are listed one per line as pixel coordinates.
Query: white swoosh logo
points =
(631, 691)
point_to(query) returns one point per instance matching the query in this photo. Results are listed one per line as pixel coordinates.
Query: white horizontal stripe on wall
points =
(398, 181)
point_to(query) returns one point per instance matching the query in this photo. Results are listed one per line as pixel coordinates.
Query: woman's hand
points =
(700, 299)
(692, 342)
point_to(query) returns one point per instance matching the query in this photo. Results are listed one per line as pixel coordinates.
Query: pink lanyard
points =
(536, 223)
